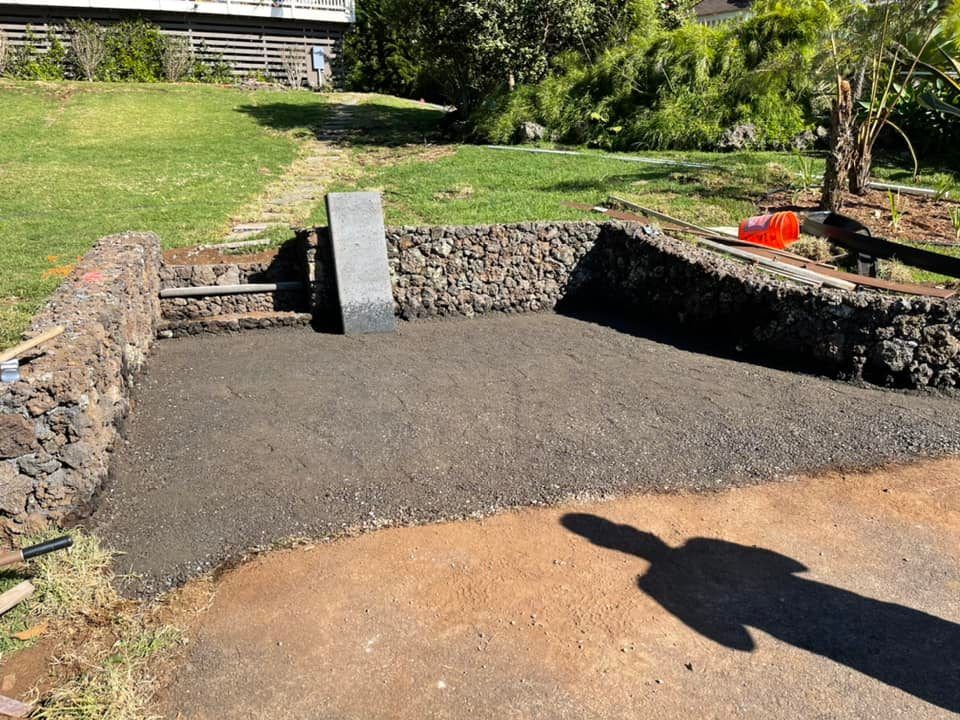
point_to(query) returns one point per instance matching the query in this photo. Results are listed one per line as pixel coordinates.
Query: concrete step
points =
(220, 324)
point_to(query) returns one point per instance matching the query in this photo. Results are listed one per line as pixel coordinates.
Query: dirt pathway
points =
(832, 597)
(290, 198)
(324, 160)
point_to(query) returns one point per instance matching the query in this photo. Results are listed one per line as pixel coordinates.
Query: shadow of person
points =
(721, 588)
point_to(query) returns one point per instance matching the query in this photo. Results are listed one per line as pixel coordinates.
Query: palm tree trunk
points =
(860, 172)
(842, 149)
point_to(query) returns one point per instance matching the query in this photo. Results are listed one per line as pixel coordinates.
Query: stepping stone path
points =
(289, 200)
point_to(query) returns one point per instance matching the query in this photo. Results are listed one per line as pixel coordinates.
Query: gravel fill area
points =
(238, 442)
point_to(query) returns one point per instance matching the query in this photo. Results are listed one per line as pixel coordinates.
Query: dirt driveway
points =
(243, 441)
(834, 597)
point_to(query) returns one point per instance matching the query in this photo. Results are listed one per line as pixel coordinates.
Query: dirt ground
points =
(216, 256)
(832, 597)
(243, 441)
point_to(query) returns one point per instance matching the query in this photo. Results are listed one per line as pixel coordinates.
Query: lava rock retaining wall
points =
(474, 270)
(466, 271)
(191, 308)
(443, 271)
(288, 265)
(885, 339)
(58, 423)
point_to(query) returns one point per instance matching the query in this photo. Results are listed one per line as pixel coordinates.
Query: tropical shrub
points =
(876, 55)
(134, 52)
(462, 52)
(686, 87)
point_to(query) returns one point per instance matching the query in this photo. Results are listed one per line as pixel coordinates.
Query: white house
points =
(249, 35)
(714, 12)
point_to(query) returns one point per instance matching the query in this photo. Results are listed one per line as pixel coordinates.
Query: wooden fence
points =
(248, 45)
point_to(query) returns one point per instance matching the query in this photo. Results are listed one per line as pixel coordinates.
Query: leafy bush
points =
(462, 52)
(686, 88)
(134, 52)
(130, 51)
(30, 62)
(210, 67)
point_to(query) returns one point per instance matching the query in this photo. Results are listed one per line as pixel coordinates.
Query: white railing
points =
(325, 6)
(318, 10)
(335, 5)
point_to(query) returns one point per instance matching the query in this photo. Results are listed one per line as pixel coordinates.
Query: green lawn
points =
(79, 161)
(480, 185)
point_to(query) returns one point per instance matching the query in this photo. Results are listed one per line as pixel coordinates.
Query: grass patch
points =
(517, 187)
(67, 584)
(82, 160)
(108, 645)
(115, 683)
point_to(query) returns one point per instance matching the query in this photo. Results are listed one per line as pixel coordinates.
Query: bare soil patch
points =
(28, 674)
(924, 220)
(216, 256)
(835, 597)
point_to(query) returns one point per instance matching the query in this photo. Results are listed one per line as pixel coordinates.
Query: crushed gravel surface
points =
(247, 440)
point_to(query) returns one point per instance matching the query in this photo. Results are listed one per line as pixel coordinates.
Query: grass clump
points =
(72, 582)
(812, 248)
(895, 271)
(114, 682)
(68, 585)
(107, 647)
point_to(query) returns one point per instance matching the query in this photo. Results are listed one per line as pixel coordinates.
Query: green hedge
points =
(681, 88)
(133, 52)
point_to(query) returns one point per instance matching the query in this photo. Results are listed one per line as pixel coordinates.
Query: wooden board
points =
(33, 342)
(14, 708)
(15, 595)
(796, 260)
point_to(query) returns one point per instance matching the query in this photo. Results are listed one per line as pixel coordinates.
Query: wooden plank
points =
(772, 253)
(31, 343)
(802, 273)
(821, 268)
(880, 284)
(14, 708)
(15, 595)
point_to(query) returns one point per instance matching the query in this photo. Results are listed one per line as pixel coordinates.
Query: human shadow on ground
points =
(720, 589)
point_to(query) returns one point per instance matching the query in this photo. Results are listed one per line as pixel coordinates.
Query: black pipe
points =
(60, 543)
